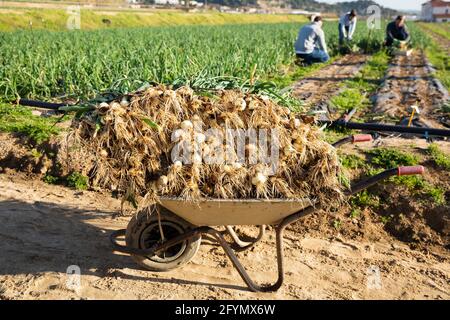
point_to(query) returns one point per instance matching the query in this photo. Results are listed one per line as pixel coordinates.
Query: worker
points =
(347, 26)
(310, 45)
(397, 32)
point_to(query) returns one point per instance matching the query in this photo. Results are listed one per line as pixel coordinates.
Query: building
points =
(436, 11)
(167, 2)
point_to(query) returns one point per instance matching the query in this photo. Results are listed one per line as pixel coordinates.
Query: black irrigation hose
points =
(427, 132)
(41, 104)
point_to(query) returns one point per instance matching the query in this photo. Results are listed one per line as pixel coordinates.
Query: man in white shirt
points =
(347, 26)
(310, 45)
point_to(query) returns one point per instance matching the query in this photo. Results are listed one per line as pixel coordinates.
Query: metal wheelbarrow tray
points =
(168, 235)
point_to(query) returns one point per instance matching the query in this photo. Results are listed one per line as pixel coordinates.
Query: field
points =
(400, 226)
(83, 63)
(12, 19)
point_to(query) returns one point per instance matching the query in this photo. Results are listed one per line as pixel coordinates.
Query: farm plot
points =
(409, 82)
(45, 65)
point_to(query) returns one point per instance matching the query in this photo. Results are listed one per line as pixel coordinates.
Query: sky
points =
(394, 4)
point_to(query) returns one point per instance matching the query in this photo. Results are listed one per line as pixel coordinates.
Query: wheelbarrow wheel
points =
(144, 230)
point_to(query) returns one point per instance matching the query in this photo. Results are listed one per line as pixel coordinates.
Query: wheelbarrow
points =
(168, 235)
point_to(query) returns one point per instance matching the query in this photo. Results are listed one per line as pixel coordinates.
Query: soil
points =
(46, 228)
(408, 217)
(317, 89)
(409, 82)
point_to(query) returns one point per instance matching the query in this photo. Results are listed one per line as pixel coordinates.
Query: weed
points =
(439, 157)
(391, 158)
(78, 181)
(348, 99)
(35, 153)
(364, 199)
(50, 179)
(352, 161)
(337, 224)
(386, 219)
(355, 213)
(20, 120)
(436, 193)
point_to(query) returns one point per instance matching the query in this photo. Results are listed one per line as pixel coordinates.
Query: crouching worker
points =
(347, 26)
(310, 45)
(397, 33)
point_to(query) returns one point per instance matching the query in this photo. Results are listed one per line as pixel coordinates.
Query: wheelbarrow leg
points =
(280, 258)
(240, 268)
(244, 245)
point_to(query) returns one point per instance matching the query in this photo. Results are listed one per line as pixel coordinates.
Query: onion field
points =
(47, 64)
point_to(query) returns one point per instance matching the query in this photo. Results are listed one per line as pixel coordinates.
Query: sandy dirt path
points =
(46, 228)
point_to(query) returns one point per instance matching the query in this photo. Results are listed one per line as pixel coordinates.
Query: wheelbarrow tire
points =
(143, 230)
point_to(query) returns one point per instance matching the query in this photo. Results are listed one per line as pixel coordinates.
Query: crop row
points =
(45, 64)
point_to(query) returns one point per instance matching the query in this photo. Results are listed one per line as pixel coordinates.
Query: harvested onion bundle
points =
(123, 152)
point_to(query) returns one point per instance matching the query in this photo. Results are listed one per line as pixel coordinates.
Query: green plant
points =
(337, 224)
(446, 108)
(36, 153)
(20, 120)
(78, 181)
(50, 179)
(123, 59)
(365, 199)
(386, 219)
(348, 99)
(355, 213)
(436, 193)
(439, 157)
(391, 158)
(352, 161)
(411, 182)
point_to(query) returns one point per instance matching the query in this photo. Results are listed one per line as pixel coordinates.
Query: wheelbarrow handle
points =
(408, 171)
(362, 138)
(400, 171)
(356, 138)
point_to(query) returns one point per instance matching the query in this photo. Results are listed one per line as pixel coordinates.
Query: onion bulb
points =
(206, 149)
(178, 135)
(177, 164)
(259, 179)
(186, 125)
(197, 158)
(199, 138)
(124, 102)
(243, 105)
(237, 165)
(163, 181)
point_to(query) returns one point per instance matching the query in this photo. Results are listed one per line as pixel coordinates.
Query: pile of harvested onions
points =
(127, 146)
